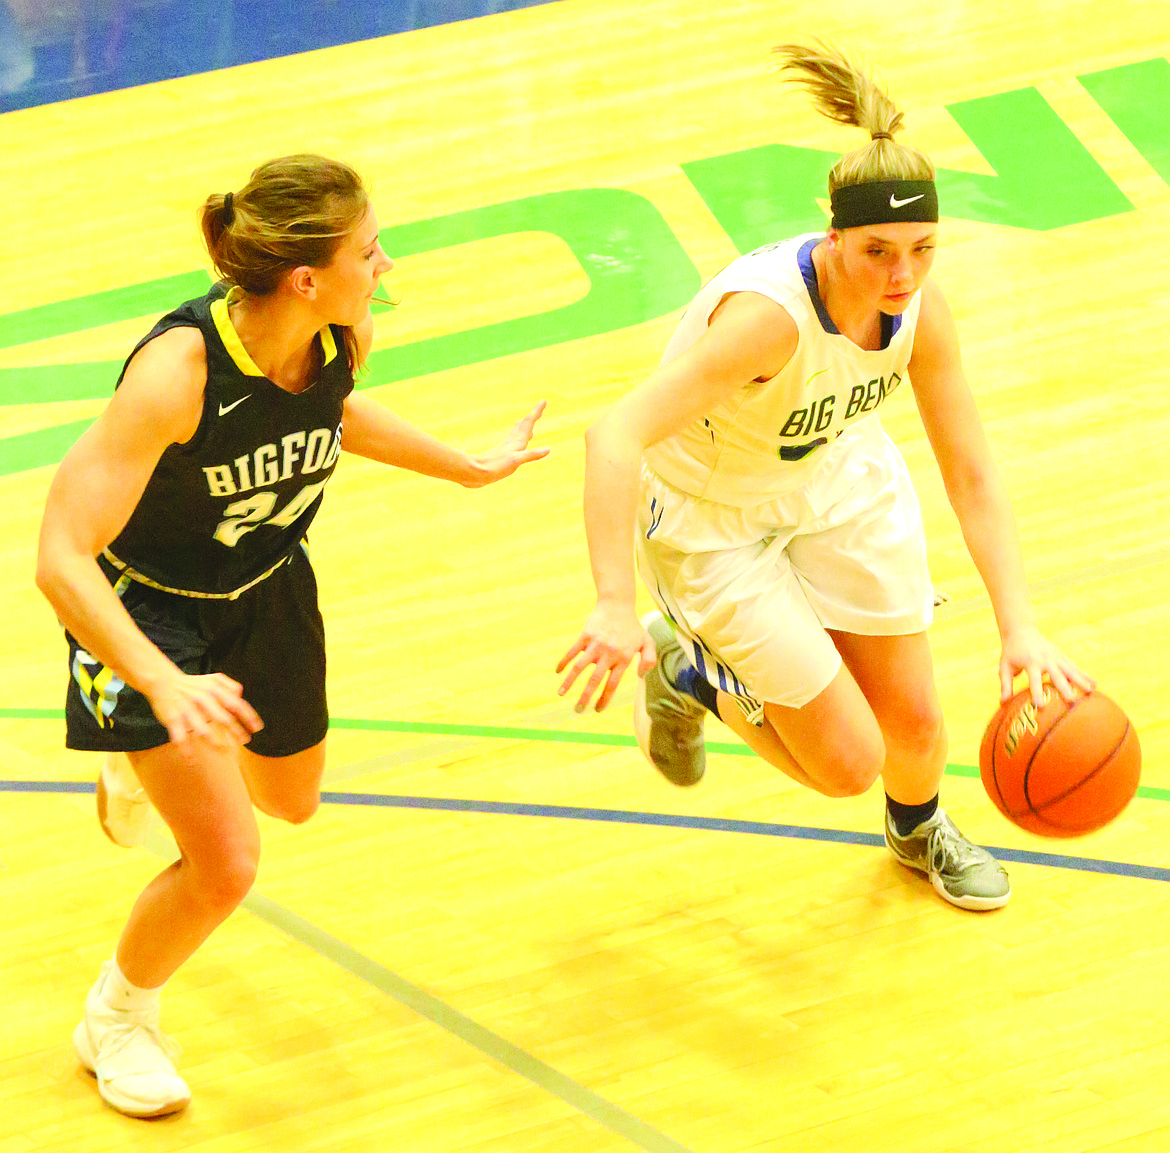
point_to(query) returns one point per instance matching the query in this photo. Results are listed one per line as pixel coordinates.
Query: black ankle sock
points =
(697, 686)
(706, 694)
(907, 818)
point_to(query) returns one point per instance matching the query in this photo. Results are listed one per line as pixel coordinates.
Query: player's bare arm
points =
(371, 430)
(750, 337)
(978, 496)
(90, 500)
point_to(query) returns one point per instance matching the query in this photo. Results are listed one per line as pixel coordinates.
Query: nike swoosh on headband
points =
(895, 203)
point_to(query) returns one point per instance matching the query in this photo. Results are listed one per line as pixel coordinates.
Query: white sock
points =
(119, 994)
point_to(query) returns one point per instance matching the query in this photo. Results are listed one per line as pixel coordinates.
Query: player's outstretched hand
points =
(611, 639)
(211, 706)
(510, 453)
(1027, 651)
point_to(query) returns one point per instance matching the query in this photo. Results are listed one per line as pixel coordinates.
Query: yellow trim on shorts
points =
(134, 575)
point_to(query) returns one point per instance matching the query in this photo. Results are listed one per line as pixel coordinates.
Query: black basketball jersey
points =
(224, 509)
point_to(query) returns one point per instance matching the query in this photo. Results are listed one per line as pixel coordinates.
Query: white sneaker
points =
(131, 1057)
(124, 809)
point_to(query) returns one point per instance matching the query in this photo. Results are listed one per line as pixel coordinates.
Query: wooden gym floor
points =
(503, 932)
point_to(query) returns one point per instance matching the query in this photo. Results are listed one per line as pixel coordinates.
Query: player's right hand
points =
(611, 639)
(209, 706)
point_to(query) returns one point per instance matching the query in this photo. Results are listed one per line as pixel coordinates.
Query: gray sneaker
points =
(960, 872)
(669, 723)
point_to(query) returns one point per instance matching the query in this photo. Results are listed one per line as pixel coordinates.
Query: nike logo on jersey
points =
(224, 409)
(896, 203)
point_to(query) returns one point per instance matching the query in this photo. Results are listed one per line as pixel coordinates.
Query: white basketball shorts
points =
(752, 591)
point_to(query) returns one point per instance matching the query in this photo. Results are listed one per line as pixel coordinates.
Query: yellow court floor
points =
(503, 932)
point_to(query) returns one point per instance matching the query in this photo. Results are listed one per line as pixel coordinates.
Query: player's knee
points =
(855, 767)
(856, 785)
(293, 810)
(223, 882)
(856, 778)
(918, 730)
(300, 809)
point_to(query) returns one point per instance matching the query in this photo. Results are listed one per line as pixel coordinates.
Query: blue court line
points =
(728, 825)
(662, 820)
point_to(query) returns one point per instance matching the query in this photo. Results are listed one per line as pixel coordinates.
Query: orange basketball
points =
(1063, 769)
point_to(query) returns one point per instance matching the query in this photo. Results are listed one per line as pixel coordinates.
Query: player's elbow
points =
(973, 487)
(53, 569)
(611, 439)
(52, 585)
(47, 570)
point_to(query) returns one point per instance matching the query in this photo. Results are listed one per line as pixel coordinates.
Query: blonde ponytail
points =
(844, 92)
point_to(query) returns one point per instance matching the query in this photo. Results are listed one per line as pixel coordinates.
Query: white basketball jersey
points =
(767, 439)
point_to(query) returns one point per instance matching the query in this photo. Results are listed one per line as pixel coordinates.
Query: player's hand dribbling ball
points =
(1063, 769)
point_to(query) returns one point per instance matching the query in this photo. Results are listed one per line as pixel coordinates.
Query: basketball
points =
(1061, 770)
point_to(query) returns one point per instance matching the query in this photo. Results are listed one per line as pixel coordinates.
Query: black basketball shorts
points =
(270, 639)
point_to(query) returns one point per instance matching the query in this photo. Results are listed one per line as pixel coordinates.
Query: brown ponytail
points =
(294, 211)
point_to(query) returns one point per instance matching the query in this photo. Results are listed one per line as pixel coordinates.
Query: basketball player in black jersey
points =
(172, 551)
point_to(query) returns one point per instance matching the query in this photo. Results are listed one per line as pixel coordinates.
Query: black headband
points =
(885, 202)
(229, 213)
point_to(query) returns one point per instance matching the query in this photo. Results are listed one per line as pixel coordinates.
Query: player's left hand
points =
(509, 454)
(1025, 650)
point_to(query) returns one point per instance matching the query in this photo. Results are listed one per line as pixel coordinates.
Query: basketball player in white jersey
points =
(777, 528)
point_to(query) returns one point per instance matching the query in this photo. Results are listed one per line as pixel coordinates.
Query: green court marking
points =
(501, 732)
(636, 267)
(29, 450)
(764, 194)
(1136, 97)
(507, 733)
(37, 383)
(1045, 178)
(637, 271)
(83, 312)
(490, 1044)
